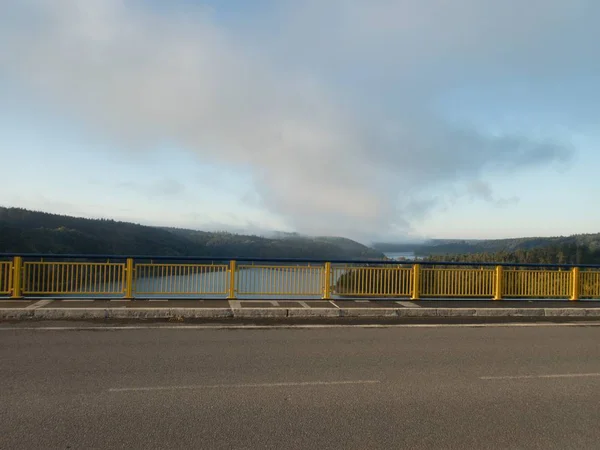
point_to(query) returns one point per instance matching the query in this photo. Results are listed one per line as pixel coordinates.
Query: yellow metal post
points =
(129, 279)
(16, 283)
(327, 281)
(499, 283)
(575, 284)
(232, 270)
(416, 290)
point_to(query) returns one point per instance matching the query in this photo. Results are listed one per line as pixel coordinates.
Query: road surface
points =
(526, 387)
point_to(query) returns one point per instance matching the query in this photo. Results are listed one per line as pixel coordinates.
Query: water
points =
(251, 283)
(303, 282)
(401, 255)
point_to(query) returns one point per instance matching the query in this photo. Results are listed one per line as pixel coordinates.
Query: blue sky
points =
(382, 119)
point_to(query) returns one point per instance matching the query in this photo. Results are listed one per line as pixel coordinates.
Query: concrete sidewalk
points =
(46, 303)
(290, 310)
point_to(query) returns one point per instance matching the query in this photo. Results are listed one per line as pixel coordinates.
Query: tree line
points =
(24, 231)
(563, 253)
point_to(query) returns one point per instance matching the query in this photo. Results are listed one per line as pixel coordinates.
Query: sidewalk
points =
(285, 310)
(287, 303)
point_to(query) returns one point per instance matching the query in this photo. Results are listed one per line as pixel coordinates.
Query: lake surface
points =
(251, 283)
(401, 255)
(302, 281)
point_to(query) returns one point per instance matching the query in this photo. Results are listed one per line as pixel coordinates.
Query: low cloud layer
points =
(330, 107)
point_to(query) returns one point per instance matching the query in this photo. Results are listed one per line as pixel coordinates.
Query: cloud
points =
(332, 111)
(157, 188)
(480, 190)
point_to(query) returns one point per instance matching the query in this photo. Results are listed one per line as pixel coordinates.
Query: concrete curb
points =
(11, 314)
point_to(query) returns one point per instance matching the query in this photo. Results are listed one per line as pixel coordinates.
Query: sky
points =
(378, 120)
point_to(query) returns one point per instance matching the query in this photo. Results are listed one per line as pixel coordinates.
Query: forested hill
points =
(23, 231)
(558, 253)
(576, 249)
(586, 243)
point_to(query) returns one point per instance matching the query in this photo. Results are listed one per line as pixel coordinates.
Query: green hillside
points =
(23, 231)
(575, 249)
(462, 246)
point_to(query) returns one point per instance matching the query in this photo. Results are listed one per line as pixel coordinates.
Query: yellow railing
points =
(589, 284)
(436, 282)
(6, 277)
(354, 281)
(284, 280)
(180, 279)
(73, 278)
(129, 279)
(538, 283)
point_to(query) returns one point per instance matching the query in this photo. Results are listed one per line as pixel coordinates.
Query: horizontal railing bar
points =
(71, 263)
(177, 265)
(296, 260)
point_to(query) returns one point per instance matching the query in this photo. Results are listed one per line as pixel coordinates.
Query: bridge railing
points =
(6, 277)
(108, 276)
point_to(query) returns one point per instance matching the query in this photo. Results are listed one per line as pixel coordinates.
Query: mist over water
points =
(400, 255)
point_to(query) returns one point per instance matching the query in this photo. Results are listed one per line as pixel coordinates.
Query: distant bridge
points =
(130, 277)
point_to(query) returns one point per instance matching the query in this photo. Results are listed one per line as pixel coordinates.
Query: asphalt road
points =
(346, 388)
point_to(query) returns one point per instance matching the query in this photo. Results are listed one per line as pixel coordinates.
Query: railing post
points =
(326, 281)
(498, 285)
(129, 279)
(232, 269)
(16, 281)
(416, 288)
(575, 284)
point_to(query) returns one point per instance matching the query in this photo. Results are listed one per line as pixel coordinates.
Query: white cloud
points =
(328, 155)
(480, 190)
